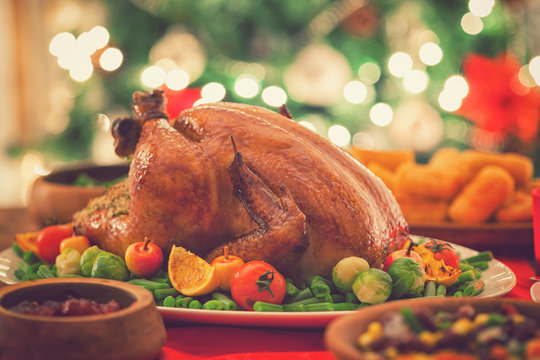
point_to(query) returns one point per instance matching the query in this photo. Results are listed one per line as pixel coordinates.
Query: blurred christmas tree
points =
(376, 74)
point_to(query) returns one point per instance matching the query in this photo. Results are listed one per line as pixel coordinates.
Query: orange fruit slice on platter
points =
(190, 274)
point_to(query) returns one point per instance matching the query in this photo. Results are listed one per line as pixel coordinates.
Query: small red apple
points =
(226, 265)
(143, 259)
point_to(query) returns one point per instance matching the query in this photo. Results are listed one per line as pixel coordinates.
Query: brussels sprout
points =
(68, 262)
(87, 259)
(372, 286)
(408, 277)
(346, 270)
(109, 266)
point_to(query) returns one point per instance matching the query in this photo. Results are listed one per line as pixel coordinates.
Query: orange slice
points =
(189, 274)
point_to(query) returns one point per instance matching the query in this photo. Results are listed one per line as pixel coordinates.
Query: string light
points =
(415, 81)
(481, 8)
(471, 24)
(400, 64)
(274, 96)
(246, 86)
(381, 114)
(355, 92)
(176, 79)
(534, 69)
(339, 135)
(111, 59)
(454, 91)
(369, 73)
(430, 53)
(153, 76)
(213, 92)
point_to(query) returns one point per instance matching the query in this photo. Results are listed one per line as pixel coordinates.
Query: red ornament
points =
(497, 101)
(179, 100)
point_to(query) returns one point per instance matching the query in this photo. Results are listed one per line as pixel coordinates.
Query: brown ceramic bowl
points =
(55, 198)
(134, 332)
(341, 334)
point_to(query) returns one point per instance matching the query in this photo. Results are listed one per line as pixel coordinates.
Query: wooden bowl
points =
(54, 197)
(341, 334)
(134, 332)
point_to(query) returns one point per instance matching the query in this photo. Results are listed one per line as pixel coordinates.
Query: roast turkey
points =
(246, 177)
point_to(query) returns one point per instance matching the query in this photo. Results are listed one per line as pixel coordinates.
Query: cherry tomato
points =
(402, 253)
(49, 239)
(257, 281)
(443, 251)
(226, 266)
(79, 243)
(143, 258)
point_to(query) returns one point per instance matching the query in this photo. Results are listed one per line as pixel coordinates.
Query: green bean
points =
(161, 280)
(24, 267)
(291, 289)
(19, 273)
(31, 276)
(169, 301)
(17, 249)
(182, 301)
(319, 286)
(429, 289)
(71, 276)
(44, 272)
(477, 274)
(458, 293)
(345, 306)
(338, 298)
(351, 298)
(465, 277)
(411, 319)
(481, 265)
(163, 293)
(195, 304)
(213, 305)
(496, 319)
(148, 284)
(311, 300)
(228, 303)
(303, 294)
(294, 307)
(325, 306)
(264, 306)
(481, 256)
(30, 258)
(474, 289)
(463, 266)
(441, 290)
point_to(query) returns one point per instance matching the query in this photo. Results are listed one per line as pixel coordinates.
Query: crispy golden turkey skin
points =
(246, 177)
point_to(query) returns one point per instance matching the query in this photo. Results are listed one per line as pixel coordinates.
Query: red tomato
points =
(49, 239)
(402, 253)
(143, 258)
(443, 251)
(257, 281)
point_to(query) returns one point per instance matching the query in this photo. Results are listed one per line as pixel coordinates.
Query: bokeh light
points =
(153, 76)
(415, 81)
(481, 8)
(339, 135)
(246, 86)
(430, 53)
(274, 96)
(534, 69)
(381, 114)
(111, 59)
(369, 73)
(176, 79)
(213, 92)
(471, 24)
(400, 64)
(355, 92)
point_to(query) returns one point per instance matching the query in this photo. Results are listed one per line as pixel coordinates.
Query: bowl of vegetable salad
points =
(438, 328)
(55, 197)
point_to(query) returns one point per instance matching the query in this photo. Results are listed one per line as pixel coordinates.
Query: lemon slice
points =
(189, 274)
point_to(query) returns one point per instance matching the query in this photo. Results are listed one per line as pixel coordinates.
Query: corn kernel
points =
(375, 328)
(462, 326)
(481, 319)
(365, 339)
(518, 319)
(430, 338)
